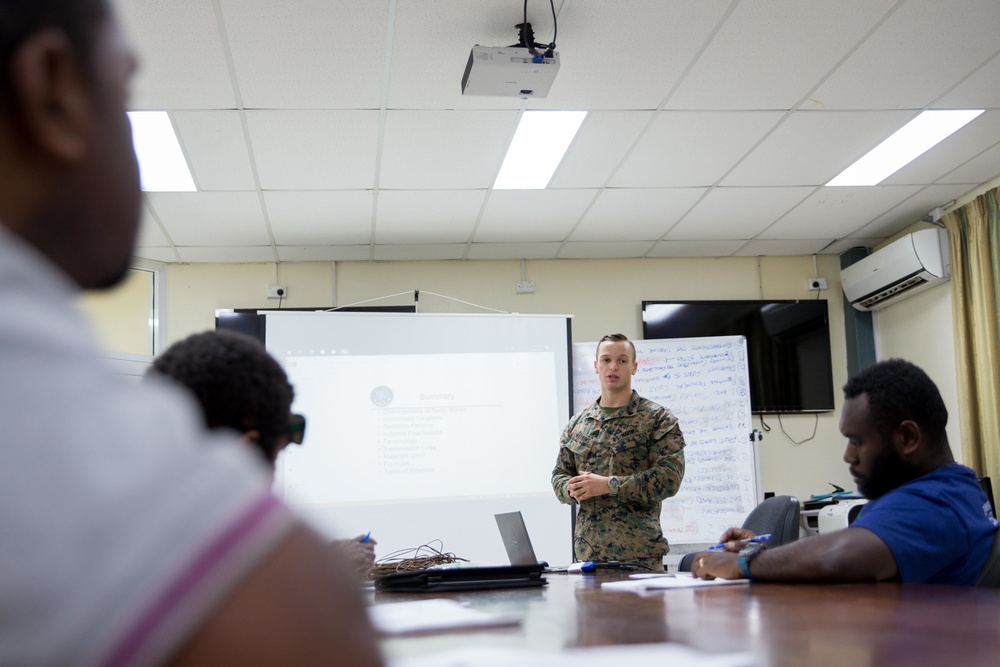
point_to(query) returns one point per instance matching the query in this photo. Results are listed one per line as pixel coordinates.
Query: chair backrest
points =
(777, 515)
(989, 576)
(987, 487)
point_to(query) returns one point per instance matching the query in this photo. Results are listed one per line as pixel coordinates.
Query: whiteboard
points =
(705, 383)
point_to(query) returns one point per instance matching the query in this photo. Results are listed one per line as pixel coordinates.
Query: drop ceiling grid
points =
(311, 75)
(744, 70)
(737, 213)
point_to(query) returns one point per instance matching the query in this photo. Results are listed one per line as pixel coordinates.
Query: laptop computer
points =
(462, 579)
(517, 543)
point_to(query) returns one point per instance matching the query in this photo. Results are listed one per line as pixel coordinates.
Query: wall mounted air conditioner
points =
(905, 267)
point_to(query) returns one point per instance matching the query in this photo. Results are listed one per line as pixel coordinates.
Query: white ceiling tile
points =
(324, 109)
(216, 147)
(834, 212)
(513, 250)
(603, 140)
(980, 169)
(787, 247)
(307, 54)
(840, 246)
(314, 150)
(604, 249)
(904, 64)
(210, 218)
(225, 255)
(181, 55)
(635, 215)
(811, 147)
(414, 251)
(736, 213)
(150, 234)
(411, 216)
(912, 210)
(956, 150)
(431, 78)
(624, 55)
(166, 255)
(323, 218)
(683, 148)
(444, 150)
(531, 215)
(323, 253)
(695, 248)
(981, 90)
(743, 70)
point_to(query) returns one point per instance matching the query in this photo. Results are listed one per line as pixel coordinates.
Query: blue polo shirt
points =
(939, 527)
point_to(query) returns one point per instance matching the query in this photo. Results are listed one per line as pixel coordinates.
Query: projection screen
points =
(422, 426)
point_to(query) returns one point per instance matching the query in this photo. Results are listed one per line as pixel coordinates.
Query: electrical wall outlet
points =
(816, 284)
(277, 292)
(524, 287)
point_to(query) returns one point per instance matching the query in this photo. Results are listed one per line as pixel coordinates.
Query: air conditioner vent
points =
(907, 266)
(915, 281)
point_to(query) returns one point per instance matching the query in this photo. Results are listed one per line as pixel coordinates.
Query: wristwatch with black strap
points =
(746, 556)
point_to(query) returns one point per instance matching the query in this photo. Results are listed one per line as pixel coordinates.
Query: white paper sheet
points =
(674, 655)
(434, 614)
(679, 580)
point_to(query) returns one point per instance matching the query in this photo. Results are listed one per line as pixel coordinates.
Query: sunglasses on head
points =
(297, 429)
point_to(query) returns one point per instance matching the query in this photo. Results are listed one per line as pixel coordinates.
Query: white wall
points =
(602, 295)
(920, 329)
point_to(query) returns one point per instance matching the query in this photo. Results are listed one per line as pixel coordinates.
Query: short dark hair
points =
(19, 19)
(238, 384)
(900, 391)
(617, 338)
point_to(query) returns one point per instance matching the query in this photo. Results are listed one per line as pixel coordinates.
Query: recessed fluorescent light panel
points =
(539, 143)
(162, 167)
(908, 143)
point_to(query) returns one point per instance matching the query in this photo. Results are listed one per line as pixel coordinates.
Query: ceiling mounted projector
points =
(509, 71)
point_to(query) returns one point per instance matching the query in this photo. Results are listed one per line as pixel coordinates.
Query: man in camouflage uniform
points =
(619, 459)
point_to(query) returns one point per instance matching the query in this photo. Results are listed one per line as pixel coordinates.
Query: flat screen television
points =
(788, 345)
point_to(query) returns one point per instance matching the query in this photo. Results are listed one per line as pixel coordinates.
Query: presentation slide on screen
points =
(422, 426)
(390, 428)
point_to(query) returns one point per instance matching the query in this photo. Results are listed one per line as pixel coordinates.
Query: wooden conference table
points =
(846, 625)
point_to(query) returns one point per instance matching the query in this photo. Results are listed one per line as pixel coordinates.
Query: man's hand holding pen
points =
(721, 560)
(735, 539)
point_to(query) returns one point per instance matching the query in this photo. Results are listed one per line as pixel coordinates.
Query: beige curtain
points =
(974, 236)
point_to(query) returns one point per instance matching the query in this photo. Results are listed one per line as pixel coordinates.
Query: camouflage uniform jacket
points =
(643, 446)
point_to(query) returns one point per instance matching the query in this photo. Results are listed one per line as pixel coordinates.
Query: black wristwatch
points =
(746, 556)
(614, 483)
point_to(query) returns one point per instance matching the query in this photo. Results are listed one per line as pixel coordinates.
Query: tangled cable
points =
(407, 560)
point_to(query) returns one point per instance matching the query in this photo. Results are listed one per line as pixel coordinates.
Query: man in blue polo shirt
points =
(927, 519)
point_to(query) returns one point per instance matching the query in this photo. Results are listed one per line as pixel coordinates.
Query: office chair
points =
(989, 576)
(778, 515)
(987, 487)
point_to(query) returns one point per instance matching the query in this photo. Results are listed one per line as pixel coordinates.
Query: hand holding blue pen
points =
(758, 538)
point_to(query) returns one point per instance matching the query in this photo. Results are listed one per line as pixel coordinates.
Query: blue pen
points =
(759, 538)
(370, 534)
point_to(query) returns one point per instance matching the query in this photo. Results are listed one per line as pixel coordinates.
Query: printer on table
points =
(831, 511)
